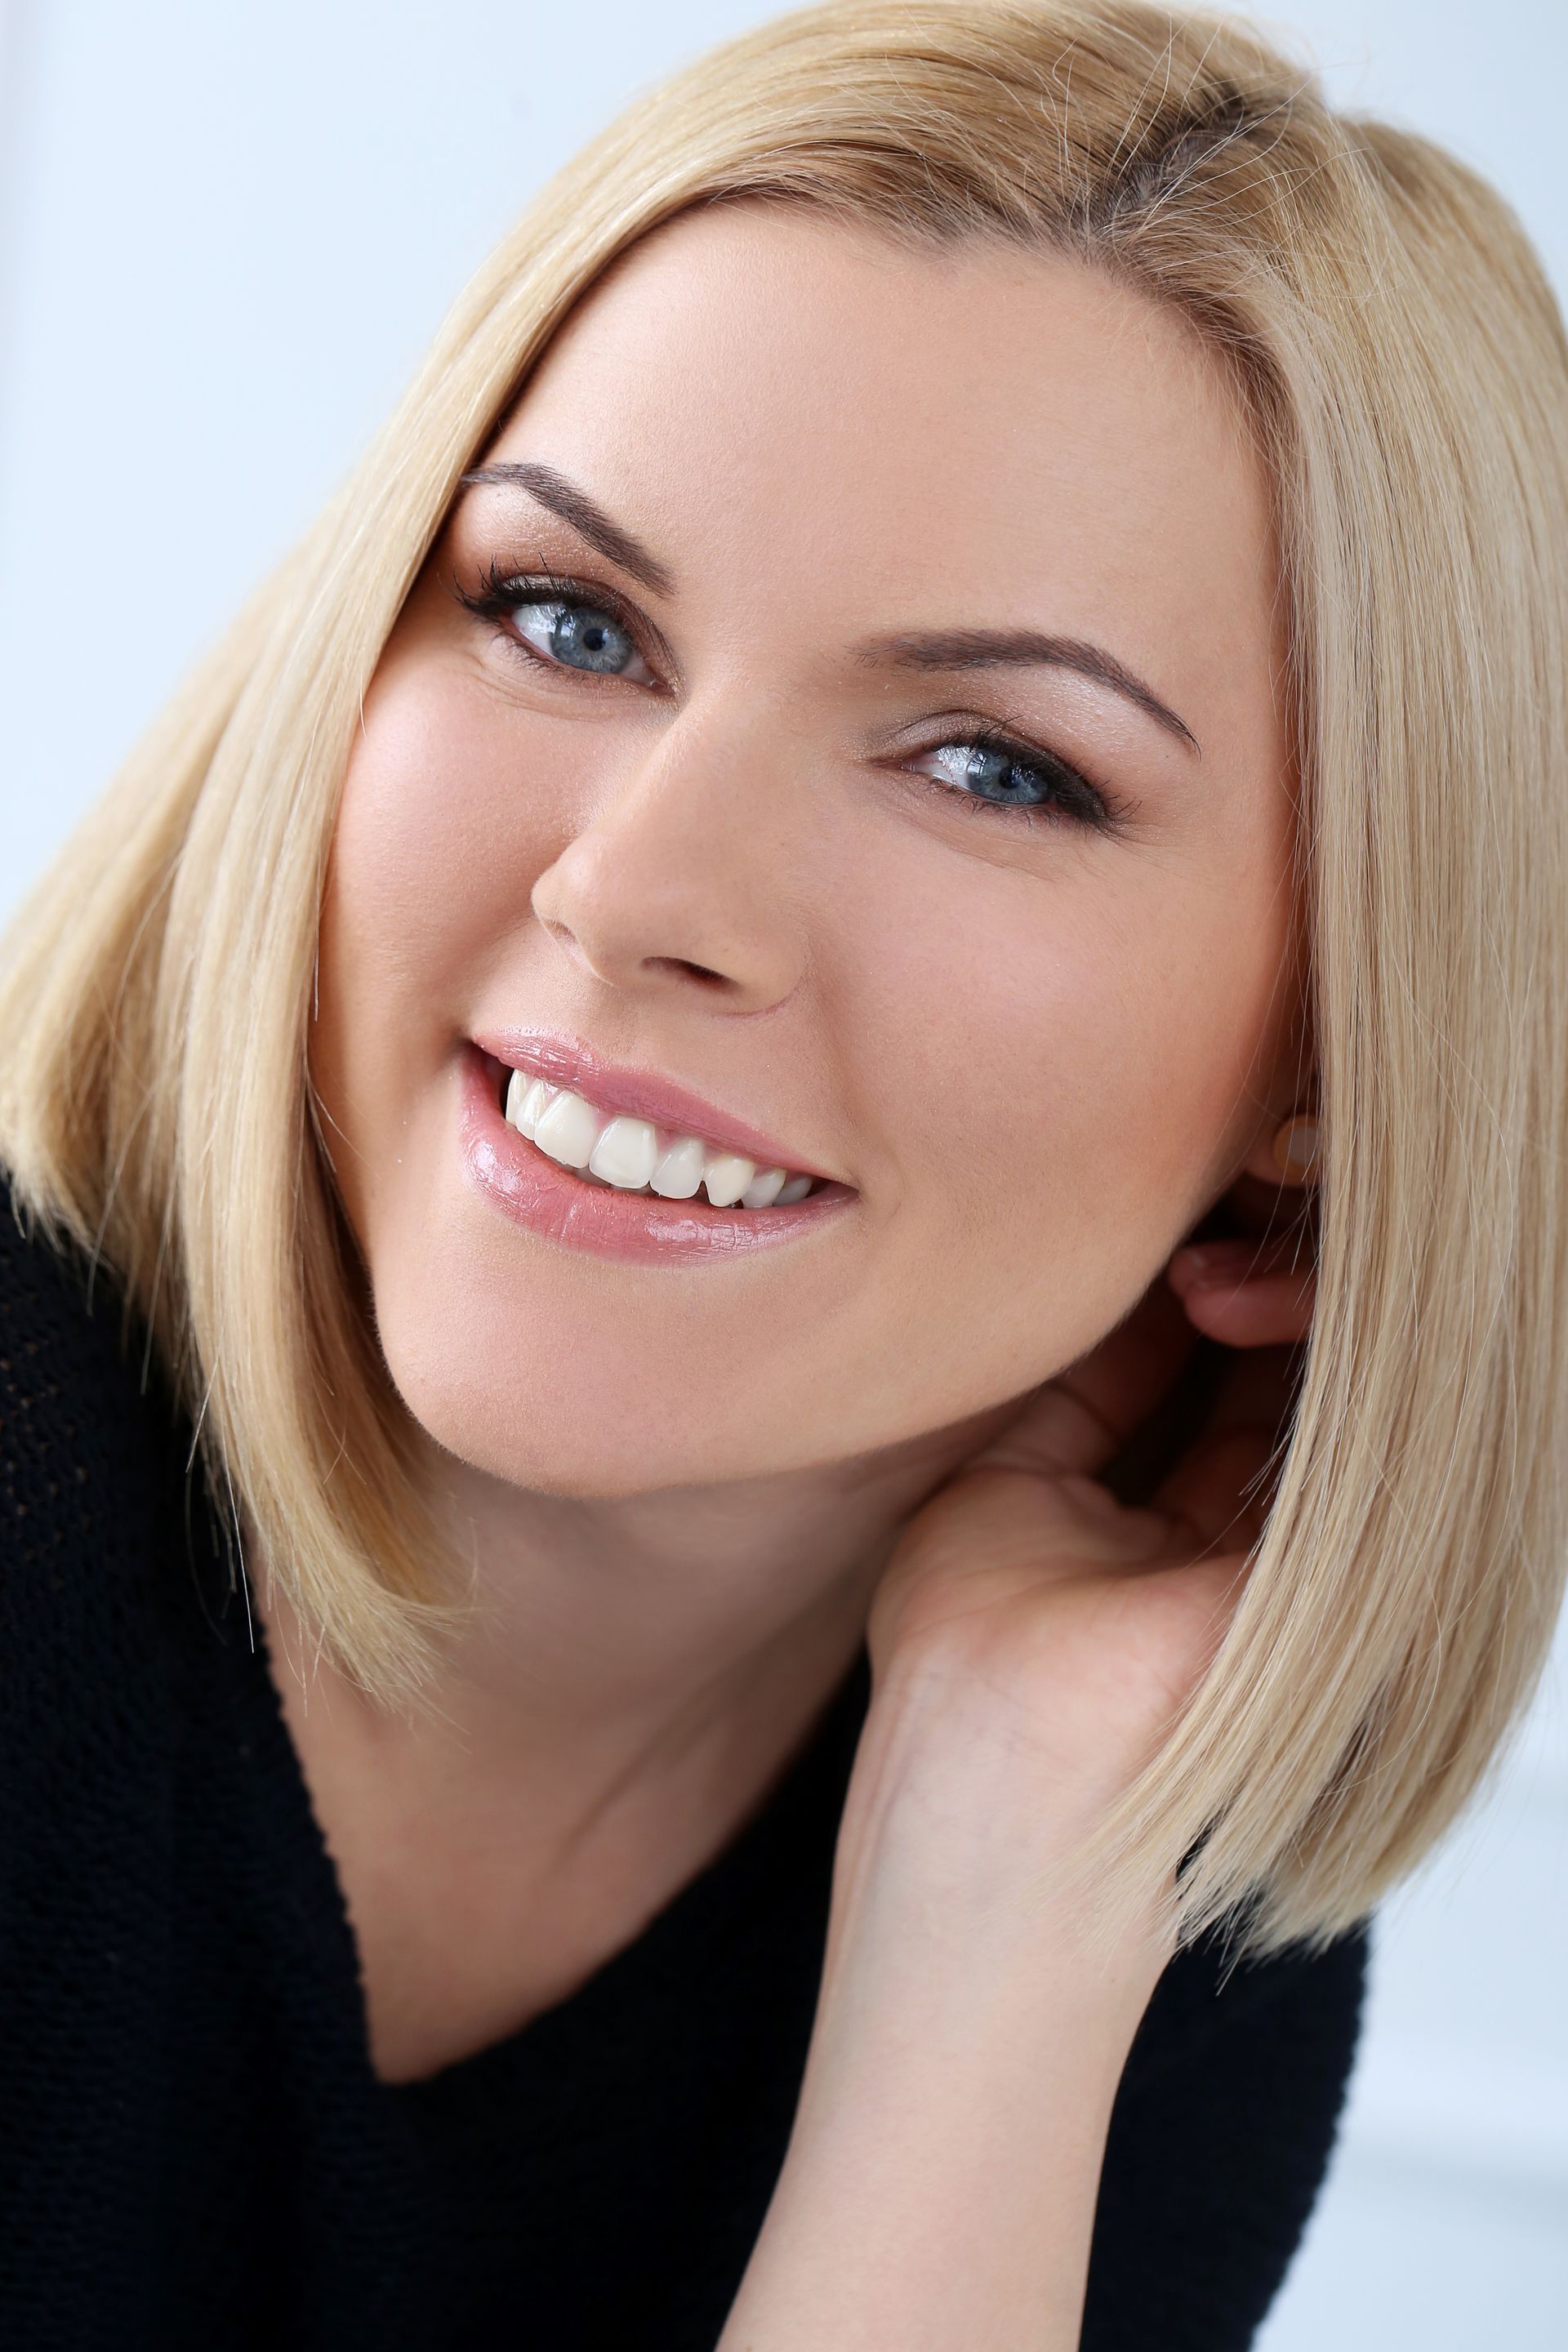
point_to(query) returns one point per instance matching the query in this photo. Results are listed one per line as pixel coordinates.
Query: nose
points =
(687, 878)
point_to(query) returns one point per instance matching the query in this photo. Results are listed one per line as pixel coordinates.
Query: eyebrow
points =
(586, 516)
(909, 650)
(950, 649)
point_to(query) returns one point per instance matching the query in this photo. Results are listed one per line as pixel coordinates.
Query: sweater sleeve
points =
(1219, 2143)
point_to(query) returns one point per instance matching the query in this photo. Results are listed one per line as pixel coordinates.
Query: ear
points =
(1285, 1150)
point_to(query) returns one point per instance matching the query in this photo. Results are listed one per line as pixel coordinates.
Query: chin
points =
(527, 1417)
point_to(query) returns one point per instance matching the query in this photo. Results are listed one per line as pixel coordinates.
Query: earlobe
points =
(1291, 1153)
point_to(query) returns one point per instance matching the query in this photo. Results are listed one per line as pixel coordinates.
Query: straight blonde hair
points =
(1404, 366)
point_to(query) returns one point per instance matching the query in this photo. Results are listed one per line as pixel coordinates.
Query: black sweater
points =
(195, 2150)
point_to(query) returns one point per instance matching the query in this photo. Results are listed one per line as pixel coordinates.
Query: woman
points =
(912, 812)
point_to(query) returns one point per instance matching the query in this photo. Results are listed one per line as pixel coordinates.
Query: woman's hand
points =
(1029, 1618)
(1031, 1639)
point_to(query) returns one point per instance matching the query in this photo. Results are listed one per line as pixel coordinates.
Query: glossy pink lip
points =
(526, 1185)
(565, 1061)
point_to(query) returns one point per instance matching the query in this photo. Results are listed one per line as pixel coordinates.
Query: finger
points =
(1229, 1265)
(1274, 1309)
(1080, 1420)
(1223, 1489)
(1198, 1265)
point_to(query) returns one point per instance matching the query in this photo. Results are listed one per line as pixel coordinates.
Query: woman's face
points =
(716, 815)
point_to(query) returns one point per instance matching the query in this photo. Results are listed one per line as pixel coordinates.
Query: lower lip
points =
(526, 1185)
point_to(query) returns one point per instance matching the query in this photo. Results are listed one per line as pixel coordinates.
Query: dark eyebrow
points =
(587, 518)
(918, 649)
(994, 648)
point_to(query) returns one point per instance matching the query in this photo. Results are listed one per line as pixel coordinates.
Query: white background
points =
(225, 235)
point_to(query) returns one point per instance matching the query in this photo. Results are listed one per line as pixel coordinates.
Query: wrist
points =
(953, 1838)
(948, 2139)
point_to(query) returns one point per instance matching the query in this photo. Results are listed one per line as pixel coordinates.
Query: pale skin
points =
(1040, 1051)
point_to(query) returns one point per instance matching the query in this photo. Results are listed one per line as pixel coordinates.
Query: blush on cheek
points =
(1087, 1155)
(415, 855)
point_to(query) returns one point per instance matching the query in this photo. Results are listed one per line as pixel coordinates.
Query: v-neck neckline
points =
(812, 1781)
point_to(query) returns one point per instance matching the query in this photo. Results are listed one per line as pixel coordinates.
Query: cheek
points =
(424, 858)
(428, 880)
(1079, 1078)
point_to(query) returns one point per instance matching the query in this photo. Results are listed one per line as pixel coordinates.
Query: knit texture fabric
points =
(195, 2150)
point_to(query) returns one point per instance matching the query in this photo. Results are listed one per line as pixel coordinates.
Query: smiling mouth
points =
(624, 1154)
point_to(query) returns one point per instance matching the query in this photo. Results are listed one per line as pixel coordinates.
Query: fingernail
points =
(1204, 1261)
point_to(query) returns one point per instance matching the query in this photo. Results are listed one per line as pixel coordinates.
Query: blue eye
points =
(543, 619)
(992, 771)
(579, 636)
(986, 769)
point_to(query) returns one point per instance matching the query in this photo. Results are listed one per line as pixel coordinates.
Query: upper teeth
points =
(628, 1154)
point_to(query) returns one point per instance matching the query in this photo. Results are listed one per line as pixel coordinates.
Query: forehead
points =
(979, 423)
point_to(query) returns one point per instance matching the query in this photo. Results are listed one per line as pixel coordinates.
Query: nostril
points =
(697, 970)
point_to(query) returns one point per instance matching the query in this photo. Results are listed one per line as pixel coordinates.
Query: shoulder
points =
(79, 1400)
(1220, 2140)
(100, 1771)
(92, 1507)
(1210, 2012)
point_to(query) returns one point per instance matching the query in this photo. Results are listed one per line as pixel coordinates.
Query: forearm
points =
(939, 2190)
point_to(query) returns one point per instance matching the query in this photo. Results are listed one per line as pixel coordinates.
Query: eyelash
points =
(1084, 805)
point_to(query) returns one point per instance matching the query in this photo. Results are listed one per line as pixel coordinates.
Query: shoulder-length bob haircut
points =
(1404, 365)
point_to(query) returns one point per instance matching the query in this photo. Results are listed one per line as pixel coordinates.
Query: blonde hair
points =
(1406, 369)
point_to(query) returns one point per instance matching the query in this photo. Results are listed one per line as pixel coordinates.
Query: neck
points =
(616, 1639)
